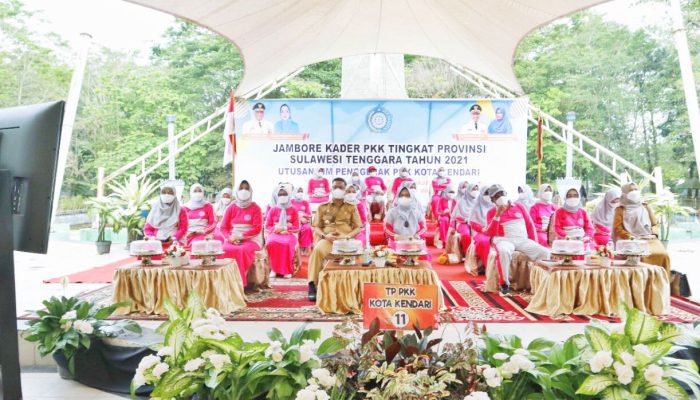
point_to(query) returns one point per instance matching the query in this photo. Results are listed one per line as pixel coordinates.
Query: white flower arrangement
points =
(477, 396)
(166, 351)
(83, 326)
(193, 364)
(601, 360)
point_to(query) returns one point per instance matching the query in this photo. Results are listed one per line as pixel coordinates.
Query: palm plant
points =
(665, 206)
(107, 213)
(133, 197)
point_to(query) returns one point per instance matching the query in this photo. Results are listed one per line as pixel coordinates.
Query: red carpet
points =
(463, 295)
(101, 274)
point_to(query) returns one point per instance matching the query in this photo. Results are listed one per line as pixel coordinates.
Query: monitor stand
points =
(10, 384)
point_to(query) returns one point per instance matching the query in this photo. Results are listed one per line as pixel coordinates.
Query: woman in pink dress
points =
(541, 213)
(478, 223)
(306, 233)
(241, 228)
(281, 227)
(352, 196)
(399, 180)
(318, 188)
(167, 220)
(460, 216)
(603, 216)
(439, 184)
(223, 200)
(356, 180)
(201, 219)
(375, 194)
(571, 220)
(445, 208)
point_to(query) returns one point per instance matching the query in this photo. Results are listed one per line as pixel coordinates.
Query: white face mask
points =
(547, 196)
(522, 196)
(299, 196)
(197, 196)
(502, 201)
(338, 193)
(404, 201)
(451, 195)
(355, 178)
(318, 175)
(572, 201)
(487, 198)
(634, 196)
(441, 174)
(372, 174)
(283, 199)
(473, 194)
(167, 198)
(226, 201)
(350, 197)
(404, 174)
(243, 194)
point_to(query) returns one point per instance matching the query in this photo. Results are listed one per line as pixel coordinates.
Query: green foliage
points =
(68, 324)
(132, 197)
(107, 212)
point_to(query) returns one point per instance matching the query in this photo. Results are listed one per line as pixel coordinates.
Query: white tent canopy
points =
(276, 37)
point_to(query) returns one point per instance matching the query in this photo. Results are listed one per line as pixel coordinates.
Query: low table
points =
(340, 286)
(219, 286)
(593, 290)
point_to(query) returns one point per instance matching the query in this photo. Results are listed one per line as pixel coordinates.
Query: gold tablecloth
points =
(219, 286)
(340, 287)
(591, 290)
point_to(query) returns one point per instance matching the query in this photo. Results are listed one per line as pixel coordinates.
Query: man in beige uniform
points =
(334, 220)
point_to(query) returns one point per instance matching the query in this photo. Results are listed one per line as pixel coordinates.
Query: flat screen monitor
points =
(29, 143)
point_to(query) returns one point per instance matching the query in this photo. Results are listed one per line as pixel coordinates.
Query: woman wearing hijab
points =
(399, 180)
(462, 212)
(318, 188)
(603, 215)
(501, 124)
(439, 184)
(241, 228)
(356, 180)
(634, 218)
(446, 206)
(201, 220)
(478, 223)
(281, 227)
(352, 196)
(405, 220)
(525, 197)
(166, 221)
(306, 233)
(542, 211)
(224, 200)
(571, 220)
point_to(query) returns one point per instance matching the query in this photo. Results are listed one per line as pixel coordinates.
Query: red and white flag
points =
(229, 133)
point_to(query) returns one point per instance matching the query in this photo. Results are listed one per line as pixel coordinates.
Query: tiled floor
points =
(49, 386)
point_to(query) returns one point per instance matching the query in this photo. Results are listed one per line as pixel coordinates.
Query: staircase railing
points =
(598, 154)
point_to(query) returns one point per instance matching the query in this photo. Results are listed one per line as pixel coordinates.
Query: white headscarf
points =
(192, 204)
(405, 219)
(245, 203)
(529, 199)
(220, 207)
(357, 195)
(636, 219)
(482, 207)
(449, 188)
(575, 208)
(282, 223)
(465, 203)
(165, 217)
(604, 212)
(540, 193)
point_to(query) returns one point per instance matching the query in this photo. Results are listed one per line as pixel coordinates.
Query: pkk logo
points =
(379, 120)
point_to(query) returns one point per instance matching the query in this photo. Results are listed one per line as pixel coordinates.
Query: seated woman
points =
(241, 228)
(542, 211)
(478, 222)
(462, 212)
(224, 200)
(571, 220)
(306, 233)
(166, 221)
(525, 196)
(352, 196)
(375, 194)
(399, 180)
(405, 220)
(201, 220)
(603, 215)
(281, 227)
(356, 180)
(634, 218)
(318, 189)
(439, 184)
(445, 208)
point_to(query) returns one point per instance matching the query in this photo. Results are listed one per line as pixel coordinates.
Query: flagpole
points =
(232, 138)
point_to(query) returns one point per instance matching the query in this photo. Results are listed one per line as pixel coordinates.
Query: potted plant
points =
(133, 197)
(665, 205)
(606, 256)
(108, 215)
(68, 325)
(380, 254)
